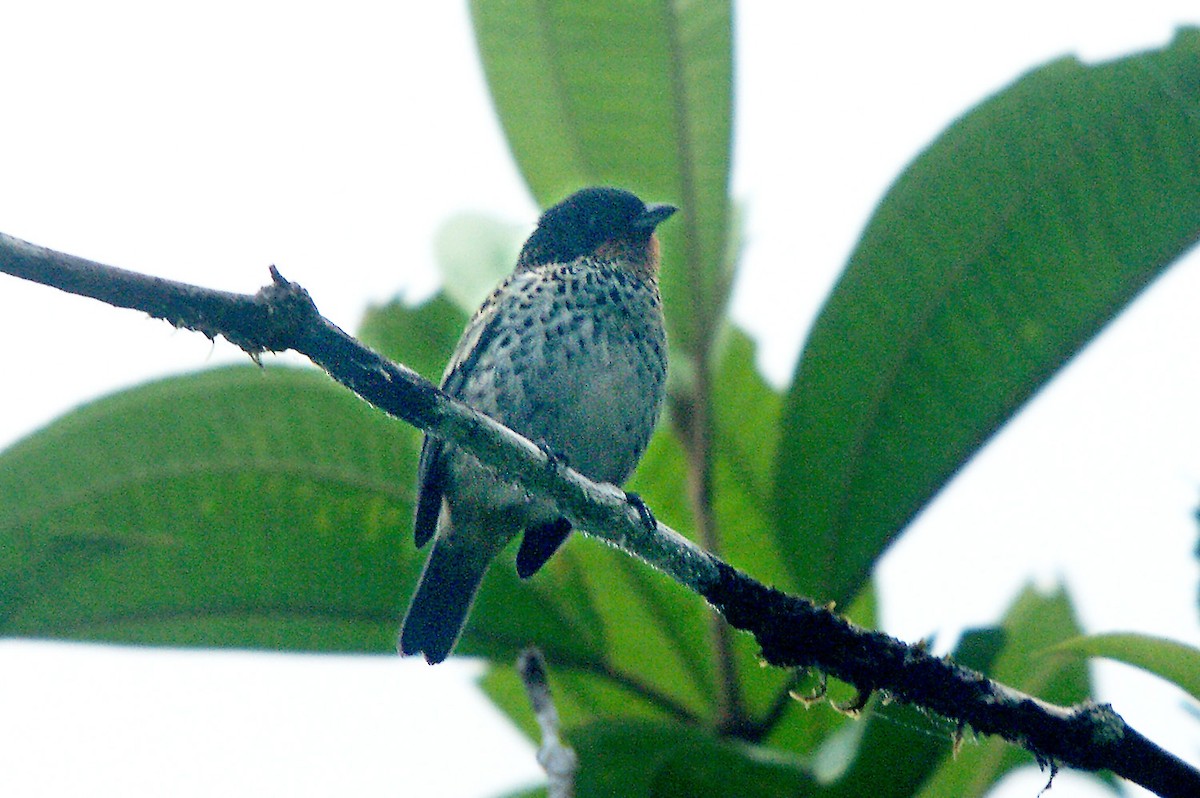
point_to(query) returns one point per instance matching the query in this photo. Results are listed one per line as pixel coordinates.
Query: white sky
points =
(205, 145)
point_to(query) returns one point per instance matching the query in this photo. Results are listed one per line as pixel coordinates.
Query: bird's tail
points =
(444, 596)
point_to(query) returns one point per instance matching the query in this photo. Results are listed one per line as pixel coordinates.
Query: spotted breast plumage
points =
(569, 351)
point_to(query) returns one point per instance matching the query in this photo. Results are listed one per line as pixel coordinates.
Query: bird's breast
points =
(579, 364)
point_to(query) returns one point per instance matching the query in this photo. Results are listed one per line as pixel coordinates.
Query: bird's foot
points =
(647, 518)
(555, 460)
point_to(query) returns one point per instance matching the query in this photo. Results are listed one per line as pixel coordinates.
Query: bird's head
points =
(605, 223)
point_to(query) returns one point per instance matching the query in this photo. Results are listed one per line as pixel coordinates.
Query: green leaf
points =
(1168, 659)
(639, 95)
(1034, 623)
(533, 792)
(746, 411)
(642, 758)
(745, 424)
(899, 745)
(474, 253)
(620, 637)
(581, 697)
(234, 507)
(421, 338)
(898, 750)
(1006, 246)
(635, 94)
(893, 748)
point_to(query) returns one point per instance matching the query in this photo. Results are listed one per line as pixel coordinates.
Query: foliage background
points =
(280, 231)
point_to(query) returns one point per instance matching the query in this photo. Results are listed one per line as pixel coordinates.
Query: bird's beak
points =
(654, 215)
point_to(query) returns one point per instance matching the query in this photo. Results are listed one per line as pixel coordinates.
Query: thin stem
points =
(605, 669)
(697, 436)
(696, 431)
(557, 758)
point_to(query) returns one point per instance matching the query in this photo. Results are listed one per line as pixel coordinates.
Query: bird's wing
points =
(483, 327)
(431, 470)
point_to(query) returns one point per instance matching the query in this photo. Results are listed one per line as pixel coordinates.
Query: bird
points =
(570, 351)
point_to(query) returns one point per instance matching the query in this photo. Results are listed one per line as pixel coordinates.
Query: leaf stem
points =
(705, 316)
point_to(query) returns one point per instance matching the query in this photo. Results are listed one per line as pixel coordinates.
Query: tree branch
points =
(792, 632)
(556, 757)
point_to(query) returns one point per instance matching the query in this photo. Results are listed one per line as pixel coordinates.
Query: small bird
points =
(570, 352)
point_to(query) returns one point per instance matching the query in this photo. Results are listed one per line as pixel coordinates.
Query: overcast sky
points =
(205, 145)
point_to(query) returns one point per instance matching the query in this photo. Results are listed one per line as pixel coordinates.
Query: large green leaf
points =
(893, 751)
(890, 749)
(645, 635)
(1176, 662)
(233, 507)
(642, 758)
(745, 428)
(421, 338)
(1033, 623)
(474, 253)
(994, 258)
(899, 750)
(636, 94)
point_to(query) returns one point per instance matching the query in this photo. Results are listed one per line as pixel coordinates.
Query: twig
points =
(792, 632)
(556, 757)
